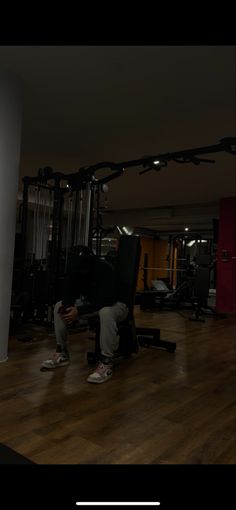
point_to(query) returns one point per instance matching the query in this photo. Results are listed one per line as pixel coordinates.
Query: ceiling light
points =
(128, 230)
(157, 162)
(186, 229)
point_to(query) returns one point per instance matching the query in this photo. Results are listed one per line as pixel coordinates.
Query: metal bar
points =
(223, 146)
(88, 213)
(111, 177)
(92, 216)
(24, 220)
(74, 218)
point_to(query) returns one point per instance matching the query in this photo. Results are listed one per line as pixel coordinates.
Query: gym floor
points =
(159, 407)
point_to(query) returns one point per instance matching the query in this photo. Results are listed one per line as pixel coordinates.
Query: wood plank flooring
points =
(159, 407)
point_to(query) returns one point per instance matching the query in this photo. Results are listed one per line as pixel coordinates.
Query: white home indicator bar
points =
(118, 503)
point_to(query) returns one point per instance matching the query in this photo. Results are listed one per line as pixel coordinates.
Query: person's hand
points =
(71, 315)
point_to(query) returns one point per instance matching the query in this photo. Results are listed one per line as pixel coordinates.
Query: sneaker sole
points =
(45, 369)
(99, 381)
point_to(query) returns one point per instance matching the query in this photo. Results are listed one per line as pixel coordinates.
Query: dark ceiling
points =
(85, 104)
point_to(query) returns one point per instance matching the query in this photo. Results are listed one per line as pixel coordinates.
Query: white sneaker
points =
(102, 373)
(57, 360)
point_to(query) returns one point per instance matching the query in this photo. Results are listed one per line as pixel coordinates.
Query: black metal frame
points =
(227, 144)
(85, 176)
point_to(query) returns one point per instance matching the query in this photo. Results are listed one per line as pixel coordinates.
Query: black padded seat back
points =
(202, 283)
(127, 267)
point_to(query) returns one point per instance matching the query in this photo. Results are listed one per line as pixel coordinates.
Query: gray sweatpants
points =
(109, 316)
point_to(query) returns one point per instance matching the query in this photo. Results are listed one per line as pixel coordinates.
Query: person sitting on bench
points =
(89, 290)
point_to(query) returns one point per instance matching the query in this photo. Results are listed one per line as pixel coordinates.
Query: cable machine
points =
(65, 211)
(59, 211)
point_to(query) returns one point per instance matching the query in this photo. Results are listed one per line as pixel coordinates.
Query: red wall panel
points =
(226, 257)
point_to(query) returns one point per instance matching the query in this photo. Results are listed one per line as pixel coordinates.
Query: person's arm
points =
(70, 315)
(99, 292)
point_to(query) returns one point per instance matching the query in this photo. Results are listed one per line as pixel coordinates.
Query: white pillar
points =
(10, 138)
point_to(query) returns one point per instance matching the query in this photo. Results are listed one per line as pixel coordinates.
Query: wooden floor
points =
(159, 407)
